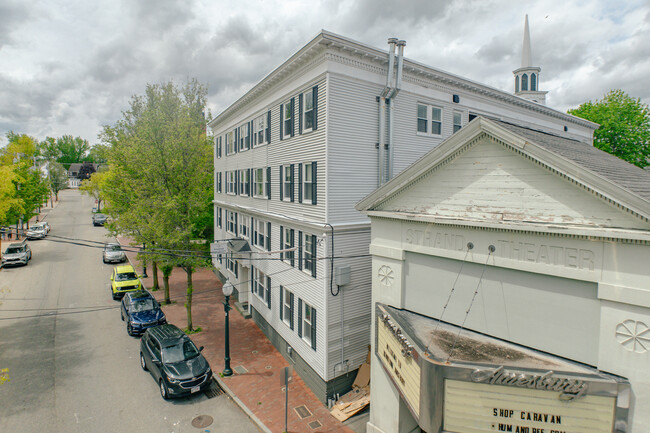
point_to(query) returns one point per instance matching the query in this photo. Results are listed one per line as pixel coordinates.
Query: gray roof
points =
(609, 167)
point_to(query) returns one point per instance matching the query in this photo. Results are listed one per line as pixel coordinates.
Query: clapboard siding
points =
(490, 182)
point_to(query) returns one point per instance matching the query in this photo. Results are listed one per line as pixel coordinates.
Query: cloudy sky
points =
(70, 67)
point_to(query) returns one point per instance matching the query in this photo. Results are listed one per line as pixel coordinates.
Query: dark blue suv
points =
(173, 360)
(141, 311)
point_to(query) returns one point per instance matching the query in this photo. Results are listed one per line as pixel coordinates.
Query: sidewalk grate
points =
(240, 369)
(302, 411)
(213, 390)
(314, 425)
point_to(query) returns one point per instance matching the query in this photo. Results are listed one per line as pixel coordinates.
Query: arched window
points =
(524, 82)
(533, 82)
(516, 83)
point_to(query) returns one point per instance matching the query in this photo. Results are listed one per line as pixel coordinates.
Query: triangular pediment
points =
(498, 178)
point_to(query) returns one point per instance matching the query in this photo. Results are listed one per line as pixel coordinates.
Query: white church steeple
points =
(527, 76)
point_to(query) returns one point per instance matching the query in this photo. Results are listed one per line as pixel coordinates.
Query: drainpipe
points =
(381, 163)
(398, 85)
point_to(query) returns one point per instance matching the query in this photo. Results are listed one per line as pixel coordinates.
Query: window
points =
(261, 234)
(288, 119)
(230, 143)
(260, 183)
(524, 82)
(287, 242)
(429, 115)
(232, 265)
(218, 182)
(458, 120)
(244, 225)
(309, 254)
(231, 222)
(286, 182)
(286, 307)
(244, 182)
(231, 182)
(308, 114)
(307, 323)
(261, 285)
(244, 137)
(516, 83)
(308, 188)
(259, 130)
(217, 217)
(533, 82)
(217, 147)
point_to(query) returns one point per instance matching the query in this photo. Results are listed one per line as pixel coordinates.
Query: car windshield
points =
(113, 248)
(14, 250)
(126, 276)
(179, 352)
(142, 305)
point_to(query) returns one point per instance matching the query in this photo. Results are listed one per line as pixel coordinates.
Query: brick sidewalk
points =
(259, 389)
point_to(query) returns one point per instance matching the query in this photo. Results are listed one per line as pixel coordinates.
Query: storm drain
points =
(202, 421)
(213, 390)
(302, 411)
(240, 369)
(314, 425)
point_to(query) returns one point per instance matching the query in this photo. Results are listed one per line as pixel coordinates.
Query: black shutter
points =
(250, 232)
(314, 172)
(253, 232)
(299, 183)
(300, 250)
(315, 112)
(251, 279)
(236, 226)
(268, 291)
(236, 269)
(281, 303)
(281, 120)
(250, 182)
(281, 242)
(250, 134)
(292, 244)
(236, 182)
(281, 186)
(236, 140)
(292, 184)
(268, 236)
(291, 303)
(313, 328)
(299, 317)
(313, 257)
(268, 183)
(268, 127)
(293, 115)
(300, 114)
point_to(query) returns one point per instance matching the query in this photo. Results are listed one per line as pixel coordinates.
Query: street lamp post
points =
(227, 291)
(144, 262)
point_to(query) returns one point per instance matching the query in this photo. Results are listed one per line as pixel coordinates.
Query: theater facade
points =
(510, 288)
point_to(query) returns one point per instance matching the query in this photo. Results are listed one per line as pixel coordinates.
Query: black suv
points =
(99, 219)
(174, 361)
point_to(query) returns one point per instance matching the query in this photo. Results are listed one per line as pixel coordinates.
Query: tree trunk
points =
(167, 271)
(154, 269)
(188, 303)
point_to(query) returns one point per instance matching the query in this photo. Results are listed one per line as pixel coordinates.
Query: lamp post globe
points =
(227, 291)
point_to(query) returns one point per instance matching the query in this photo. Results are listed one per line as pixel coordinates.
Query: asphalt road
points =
(71, 365)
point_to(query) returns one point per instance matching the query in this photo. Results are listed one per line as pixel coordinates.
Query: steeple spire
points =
(527, 76)
(526, 57)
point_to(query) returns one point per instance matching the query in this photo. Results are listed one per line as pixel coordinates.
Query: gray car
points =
(36, 232)
(113, 253)
(17, 253)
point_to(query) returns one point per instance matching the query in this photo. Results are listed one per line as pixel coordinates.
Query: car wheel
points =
(129, 330)
(163, 390)
(114, 296)
(122, 315)
(142, 363)
(104, 259)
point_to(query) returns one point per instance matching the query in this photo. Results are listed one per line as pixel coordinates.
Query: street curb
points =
(249, 413)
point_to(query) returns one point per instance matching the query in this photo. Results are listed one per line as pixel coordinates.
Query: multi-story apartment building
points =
(296, 153)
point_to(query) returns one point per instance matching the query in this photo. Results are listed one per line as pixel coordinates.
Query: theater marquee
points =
(461, 396)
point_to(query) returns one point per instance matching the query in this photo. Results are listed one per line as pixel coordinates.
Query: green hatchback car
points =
(124, 279)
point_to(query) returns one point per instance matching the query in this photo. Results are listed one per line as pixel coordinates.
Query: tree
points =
(58, 178)
(93, 186)
(71, 149)
(624, 126)
(160, 180)
(10, 203)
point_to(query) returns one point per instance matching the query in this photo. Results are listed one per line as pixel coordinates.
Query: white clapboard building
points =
(295, 154)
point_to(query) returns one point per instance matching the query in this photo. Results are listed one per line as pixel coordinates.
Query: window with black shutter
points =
(268, 291)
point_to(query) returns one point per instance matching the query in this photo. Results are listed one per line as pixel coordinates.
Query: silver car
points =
(17, 253)
(36, 232)
(113, 253)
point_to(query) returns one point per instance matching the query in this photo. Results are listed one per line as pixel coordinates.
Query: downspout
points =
(381, 163)
(398, 85)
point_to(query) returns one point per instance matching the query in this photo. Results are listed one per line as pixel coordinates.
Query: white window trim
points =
(306, 336)
(304, 252)
(231, 187)
(286, 304)
(285, 183)
(453, 121)
(264, 183)
(230, 221)
(286, 132)
(244, 183)
(244, 222)
(286, 245)
(306, 200)
(230, 143)
(256, 130)
(257, 284)
(430, 120)
(304, 111)
(264, 225)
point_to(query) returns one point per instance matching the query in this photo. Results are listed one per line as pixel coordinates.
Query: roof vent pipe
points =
(398, 84)
(400, 64)
(391, 63)
(381, 156)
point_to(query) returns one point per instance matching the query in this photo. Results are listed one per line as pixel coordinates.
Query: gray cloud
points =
(12, 14)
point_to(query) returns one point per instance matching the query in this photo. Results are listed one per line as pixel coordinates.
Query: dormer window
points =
(524, 82)
(533, 82)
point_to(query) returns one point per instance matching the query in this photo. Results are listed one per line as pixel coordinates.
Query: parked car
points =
(36, 232)
(123, 280)
(174, 361)
(17, 253)
(113, 253)
(99, 219)
(141, 311)
(44, 224)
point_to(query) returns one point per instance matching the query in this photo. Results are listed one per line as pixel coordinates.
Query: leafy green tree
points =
(93, 186)
(160, 180)
(10, 203)
(624, 126)
(58, 178)
(72, 149)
